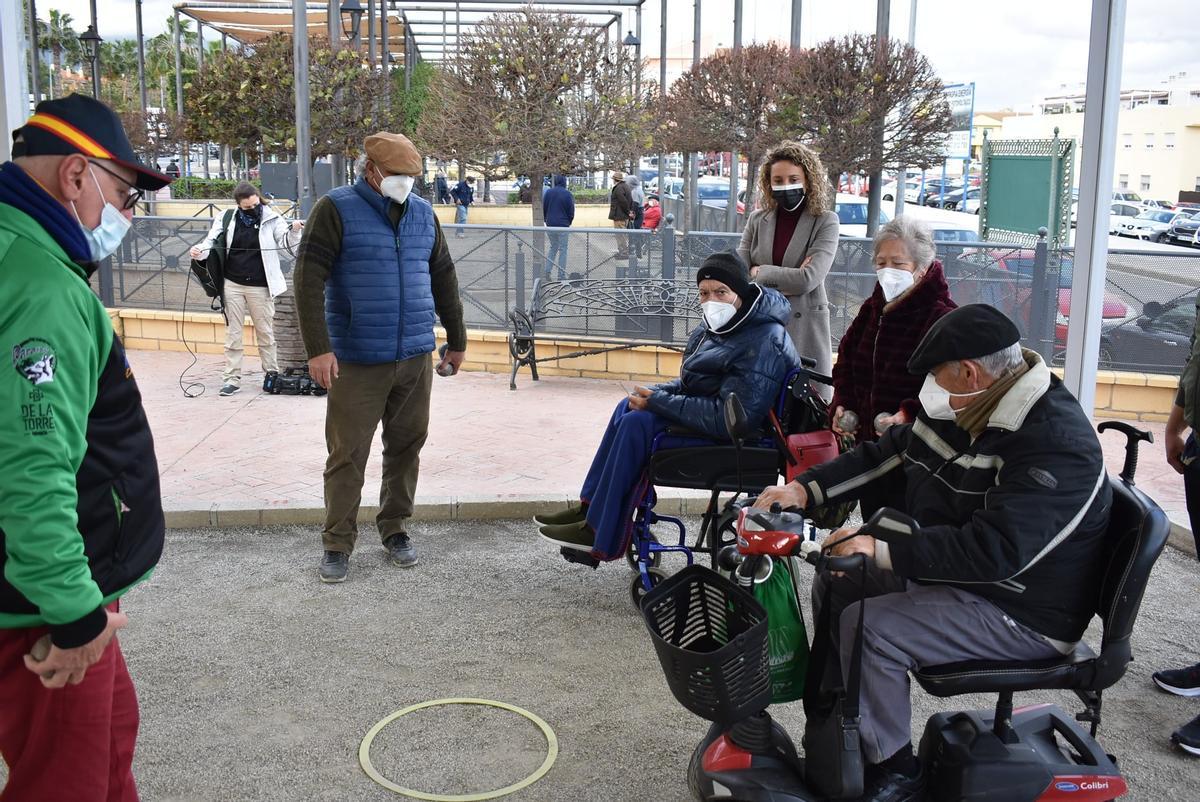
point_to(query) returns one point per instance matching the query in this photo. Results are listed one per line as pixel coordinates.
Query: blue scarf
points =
(20, 191)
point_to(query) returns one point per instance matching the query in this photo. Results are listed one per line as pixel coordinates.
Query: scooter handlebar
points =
(825, 562)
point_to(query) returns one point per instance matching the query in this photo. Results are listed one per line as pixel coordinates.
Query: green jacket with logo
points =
(1188, 396)
(81, 516)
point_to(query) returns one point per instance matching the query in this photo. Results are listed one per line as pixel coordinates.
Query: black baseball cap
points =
(81, 124)
(967, 332)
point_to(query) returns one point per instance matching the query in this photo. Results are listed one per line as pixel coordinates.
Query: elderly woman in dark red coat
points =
(870, 377)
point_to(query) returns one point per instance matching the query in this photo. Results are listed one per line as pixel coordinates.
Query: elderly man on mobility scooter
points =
(1006, 478)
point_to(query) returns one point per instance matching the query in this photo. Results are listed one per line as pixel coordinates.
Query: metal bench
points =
(614, 314)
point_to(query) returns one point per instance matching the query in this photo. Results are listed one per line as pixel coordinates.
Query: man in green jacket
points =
(1181, 455)
(81, 517)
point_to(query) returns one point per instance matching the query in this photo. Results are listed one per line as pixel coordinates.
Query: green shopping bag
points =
(786, 633)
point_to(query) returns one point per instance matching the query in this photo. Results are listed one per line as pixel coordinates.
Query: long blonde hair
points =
(816, 182)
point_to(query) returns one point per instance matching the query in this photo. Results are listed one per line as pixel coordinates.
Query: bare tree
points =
(729, 102)
(541, 91)
(836, 95)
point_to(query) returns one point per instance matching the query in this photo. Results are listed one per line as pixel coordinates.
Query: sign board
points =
(1026, 186)
(961, 98)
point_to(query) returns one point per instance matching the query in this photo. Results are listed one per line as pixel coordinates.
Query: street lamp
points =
(631, 41)
(355, 10)
(91, 40)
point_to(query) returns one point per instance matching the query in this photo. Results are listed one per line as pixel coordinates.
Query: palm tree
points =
(59, 38)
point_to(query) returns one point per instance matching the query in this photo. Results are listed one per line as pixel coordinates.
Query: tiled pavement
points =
(491, 452)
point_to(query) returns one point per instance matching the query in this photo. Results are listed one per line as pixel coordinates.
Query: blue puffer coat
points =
(751, 356)
(379, 297)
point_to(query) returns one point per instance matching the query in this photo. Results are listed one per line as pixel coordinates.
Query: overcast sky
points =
(1015, 51)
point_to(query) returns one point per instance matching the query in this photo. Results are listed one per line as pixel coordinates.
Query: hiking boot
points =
(571, 515)
(229, 389)
(1180, 681)
(578, 536)
(1187, 737)
(334, 566)
(400, 550)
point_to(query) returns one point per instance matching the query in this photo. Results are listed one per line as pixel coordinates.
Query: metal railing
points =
(1148, 311)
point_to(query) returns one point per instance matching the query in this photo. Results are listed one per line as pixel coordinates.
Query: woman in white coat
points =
(254, 235)
(789, 244)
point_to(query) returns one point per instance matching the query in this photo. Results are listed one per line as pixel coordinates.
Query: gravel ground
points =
(258, 683)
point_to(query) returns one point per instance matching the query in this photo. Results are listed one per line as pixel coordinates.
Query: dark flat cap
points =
(968, 332)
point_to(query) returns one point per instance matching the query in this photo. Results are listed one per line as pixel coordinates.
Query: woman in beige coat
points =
(789, 244)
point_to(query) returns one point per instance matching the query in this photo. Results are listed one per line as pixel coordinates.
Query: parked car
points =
(1128, 197)
(955, 201)
(936, 191)
(672, 187)
(912, 191)
(1152, 224)
(852, 215)
(1183, 230)
(714, 191)
(1158, 204)
(1157, 341)
(1120, 213)
(1113, 311)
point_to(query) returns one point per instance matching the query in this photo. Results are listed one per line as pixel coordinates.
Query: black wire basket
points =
(711, 639)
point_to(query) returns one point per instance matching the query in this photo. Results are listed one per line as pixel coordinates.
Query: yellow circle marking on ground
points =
(364, 752)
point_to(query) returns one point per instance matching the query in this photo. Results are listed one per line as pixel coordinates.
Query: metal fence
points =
(1149, 307)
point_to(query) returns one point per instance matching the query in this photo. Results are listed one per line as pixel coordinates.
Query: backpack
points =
(210, 271)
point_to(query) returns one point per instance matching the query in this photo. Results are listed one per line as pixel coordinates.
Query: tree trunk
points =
(689, 176)
(535, 197)
(289, 346)
(751, 183)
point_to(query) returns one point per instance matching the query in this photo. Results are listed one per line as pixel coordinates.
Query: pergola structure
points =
(422, 31)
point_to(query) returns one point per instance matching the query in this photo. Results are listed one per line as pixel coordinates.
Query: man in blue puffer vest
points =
(372, 270)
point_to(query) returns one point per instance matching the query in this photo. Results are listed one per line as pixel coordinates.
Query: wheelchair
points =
(795, 436)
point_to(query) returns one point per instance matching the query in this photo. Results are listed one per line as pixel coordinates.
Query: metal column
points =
(902, 173)
(303, 128)
(35, 58)
(874, 195)
(184, 161)
(731, 205)
(797, 11)
(371, 34)
(1097, 156)
(95, 57)
(662, 93)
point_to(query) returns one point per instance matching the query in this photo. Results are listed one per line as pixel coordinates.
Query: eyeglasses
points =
(135, 195)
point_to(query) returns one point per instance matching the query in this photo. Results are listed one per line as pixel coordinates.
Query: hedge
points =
(193, 188)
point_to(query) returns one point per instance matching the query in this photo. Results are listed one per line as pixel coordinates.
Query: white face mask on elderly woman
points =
(717, 313)
(893, 281)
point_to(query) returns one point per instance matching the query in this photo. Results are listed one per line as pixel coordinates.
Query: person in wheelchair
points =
(1005, 480)
(741, 347)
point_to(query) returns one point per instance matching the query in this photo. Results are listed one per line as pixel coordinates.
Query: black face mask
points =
(251, 216)
(789, 198)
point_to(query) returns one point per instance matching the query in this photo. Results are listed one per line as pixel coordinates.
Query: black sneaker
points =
(1187, 737)
(334, 566)
(400, 550)
(888, 786)
(229, 389)
(1180, 681)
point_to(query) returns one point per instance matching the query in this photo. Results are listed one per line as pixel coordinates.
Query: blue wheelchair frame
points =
(644, 551)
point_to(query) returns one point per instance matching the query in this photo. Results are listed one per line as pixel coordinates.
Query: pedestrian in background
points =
(464, 195)
(372, 271)
(620, 212)
(652, 213)
(789, 244)
(558, 212)
(249, 239)
(1181, 454)
(443, 188)
(80, 508)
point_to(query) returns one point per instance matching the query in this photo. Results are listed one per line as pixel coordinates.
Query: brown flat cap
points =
(393, 153)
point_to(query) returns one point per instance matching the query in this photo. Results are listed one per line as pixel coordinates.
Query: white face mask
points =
(717, 313)
(894, 281)
(104, 239)
(396, 187)
(935, 399)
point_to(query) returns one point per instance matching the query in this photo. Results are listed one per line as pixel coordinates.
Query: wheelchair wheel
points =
(723, 533)
(637, 590)
(631, 557)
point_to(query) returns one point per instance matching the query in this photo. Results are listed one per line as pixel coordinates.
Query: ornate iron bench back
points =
(629, 298)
